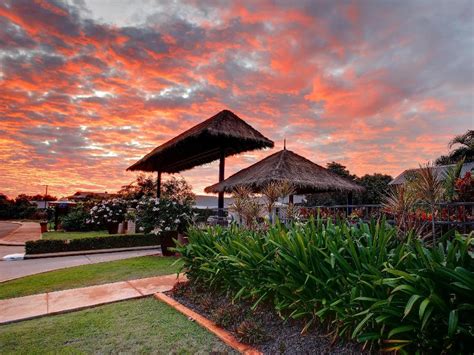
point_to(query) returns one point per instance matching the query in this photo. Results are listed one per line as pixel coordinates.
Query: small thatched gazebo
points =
(218, 137)
(285, 165)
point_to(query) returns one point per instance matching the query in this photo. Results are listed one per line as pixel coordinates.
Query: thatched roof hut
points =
(285, 165)
(225, 133)
(218, 137)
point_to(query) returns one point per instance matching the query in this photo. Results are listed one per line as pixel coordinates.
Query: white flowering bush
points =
(108, 212)
(155, 215)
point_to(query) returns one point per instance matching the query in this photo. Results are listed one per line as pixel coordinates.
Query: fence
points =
(457, 215)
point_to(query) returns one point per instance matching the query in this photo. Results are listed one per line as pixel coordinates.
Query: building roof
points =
(440, 171)
(81, 195)
(285, 165)
(202, 144)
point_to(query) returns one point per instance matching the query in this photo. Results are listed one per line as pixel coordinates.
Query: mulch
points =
(263, 327)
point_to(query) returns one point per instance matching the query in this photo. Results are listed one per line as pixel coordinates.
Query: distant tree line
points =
(376, 187)
(21, 207)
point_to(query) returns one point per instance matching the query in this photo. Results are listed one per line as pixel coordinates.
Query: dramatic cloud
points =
(89, 87)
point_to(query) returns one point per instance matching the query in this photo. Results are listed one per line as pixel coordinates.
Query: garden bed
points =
(261, 327)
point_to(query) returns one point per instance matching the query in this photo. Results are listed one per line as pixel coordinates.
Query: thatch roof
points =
(306, 176)
(202, 144)
(440, 171)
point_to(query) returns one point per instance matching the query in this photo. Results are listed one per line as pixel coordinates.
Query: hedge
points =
(118, 241)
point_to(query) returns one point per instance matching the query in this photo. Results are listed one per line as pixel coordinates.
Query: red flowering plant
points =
(464, 187)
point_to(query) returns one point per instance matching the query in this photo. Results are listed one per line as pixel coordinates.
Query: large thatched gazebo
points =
(218, 137)
(285, 165)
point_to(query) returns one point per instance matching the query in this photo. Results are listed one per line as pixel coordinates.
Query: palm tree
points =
(465, 149)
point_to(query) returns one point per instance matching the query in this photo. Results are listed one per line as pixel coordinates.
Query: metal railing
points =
(448, 215)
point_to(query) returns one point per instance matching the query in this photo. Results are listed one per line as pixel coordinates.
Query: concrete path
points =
(18, 236)
(21, 308)
(19, 268)
(7, 228)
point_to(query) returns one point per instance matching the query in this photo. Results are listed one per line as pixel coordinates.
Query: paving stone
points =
(23, 307)
(61, 301)
(20, 308)
(153, 285)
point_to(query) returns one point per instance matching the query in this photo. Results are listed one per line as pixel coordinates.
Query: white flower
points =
(141, 229)
(167, 228)
(177, 220)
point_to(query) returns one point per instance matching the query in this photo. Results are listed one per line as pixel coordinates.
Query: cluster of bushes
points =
(119, 241)
(362, 282)
(76, 221)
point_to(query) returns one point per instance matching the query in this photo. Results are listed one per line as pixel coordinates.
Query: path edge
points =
(221, 333)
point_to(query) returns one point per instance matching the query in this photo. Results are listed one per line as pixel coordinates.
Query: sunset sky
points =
(88, 87)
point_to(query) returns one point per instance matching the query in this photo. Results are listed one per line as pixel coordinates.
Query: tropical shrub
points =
(360, 281)
(77, 221)
(155, 215)
(108, 211)
(464, 187)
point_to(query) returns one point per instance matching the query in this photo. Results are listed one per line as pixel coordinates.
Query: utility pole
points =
(46, 193)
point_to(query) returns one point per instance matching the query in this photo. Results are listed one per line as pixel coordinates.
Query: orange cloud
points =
(368, 86)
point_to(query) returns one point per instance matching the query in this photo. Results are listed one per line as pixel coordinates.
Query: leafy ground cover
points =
(130, 327)
(88, 275)
(361, 282)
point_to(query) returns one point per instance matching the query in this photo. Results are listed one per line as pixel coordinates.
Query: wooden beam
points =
(220, 199)
(349, 203)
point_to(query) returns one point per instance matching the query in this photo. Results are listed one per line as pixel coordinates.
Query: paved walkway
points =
(19, 268)
(22, 308)
(7, 228)
(18, 236)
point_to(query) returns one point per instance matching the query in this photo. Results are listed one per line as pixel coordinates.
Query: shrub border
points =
(44, 246)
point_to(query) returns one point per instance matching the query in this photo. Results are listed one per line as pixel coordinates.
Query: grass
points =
(88, 275)
(137, 326)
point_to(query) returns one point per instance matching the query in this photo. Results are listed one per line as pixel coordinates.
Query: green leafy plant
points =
(361, 281)
(449, 183)
(77, 221)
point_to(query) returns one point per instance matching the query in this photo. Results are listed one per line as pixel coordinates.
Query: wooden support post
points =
(349, 203)
(290, 199)
(220, 199)
(158, 184)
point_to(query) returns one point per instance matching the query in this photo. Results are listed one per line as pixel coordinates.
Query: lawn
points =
(75, 235)
(87, 275)
(137, 326)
